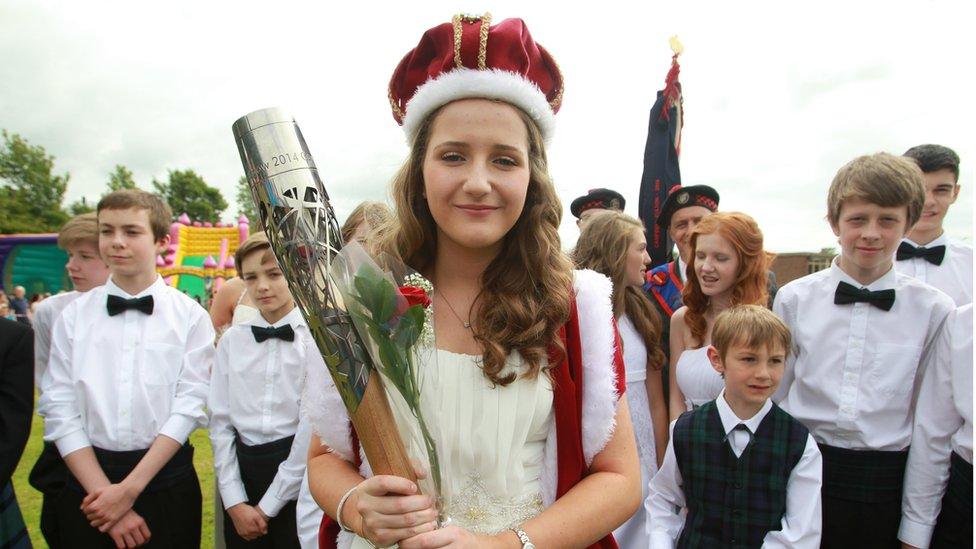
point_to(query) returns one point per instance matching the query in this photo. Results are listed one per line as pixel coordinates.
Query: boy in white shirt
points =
(859, 329)
(927, 253)
(938, 500)
(126, 384)
(87, 269)
(746, 471)
(259, 444)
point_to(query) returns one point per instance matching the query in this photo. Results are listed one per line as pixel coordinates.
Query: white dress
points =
(633, 533)
(696, 378)
(499, 447)
(491, 442)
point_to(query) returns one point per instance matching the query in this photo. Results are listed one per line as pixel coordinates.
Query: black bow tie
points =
(846, 294)
(284, 333)
(933, 255)
(116, 304)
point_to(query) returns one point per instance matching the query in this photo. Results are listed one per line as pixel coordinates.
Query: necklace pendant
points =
(467, 325)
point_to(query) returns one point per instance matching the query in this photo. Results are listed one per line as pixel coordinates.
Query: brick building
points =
(790, 266)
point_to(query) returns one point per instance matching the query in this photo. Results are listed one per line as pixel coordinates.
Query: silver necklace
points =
(467, 325)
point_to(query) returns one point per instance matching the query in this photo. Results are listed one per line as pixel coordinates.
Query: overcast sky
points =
(777, 98)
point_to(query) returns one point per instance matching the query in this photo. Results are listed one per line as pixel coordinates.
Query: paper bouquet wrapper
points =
(304, 235)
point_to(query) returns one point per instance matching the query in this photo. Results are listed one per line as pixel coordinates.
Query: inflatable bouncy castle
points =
(201, 255)
(33, 261)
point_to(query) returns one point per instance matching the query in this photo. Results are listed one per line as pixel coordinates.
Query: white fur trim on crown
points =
(467, 83)
(596, 327)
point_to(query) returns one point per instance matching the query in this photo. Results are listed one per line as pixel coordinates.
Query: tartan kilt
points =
(865, 476)
(13, 532)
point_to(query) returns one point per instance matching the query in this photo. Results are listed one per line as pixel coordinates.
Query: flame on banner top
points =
(304, 234)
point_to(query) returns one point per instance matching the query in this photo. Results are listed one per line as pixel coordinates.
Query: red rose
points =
(415, 296)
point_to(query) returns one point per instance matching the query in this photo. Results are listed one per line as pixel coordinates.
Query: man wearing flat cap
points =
(594, 200)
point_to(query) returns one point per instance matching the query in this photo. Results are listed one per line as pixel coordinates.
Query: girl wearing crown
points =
(537, 444)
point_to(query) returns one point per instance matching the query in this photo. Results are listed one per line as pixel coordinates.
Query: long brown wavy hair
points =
(602, 246)
(525, 290)
(742, 232)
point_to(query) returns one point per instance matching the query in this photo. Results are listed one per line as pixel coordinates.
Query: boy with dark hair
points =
(745, 470)
(126, 384)
(859, 329)
(259, 444)
(927, 253)
(87, 270)
(937, 508)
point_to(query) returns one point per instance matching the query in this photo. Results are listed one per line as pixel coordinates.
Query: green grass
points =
(30, 499)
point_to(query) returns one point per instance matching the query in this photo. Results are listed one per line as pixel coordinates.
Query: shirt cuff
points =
(72, 442)
(178, 428)
(232, 495)
(915, 533)
(271, 505)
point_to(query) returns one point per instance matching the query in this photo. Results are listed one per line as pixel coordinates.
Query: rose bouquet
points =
(391, 310)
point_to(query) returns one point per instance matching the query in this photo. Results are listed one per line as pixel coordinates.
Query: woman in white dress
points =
(613, 243)
(478, 215)
(728, 267)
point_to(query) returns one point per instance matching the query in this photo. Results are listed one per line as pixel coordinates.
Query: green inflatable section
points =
(193, 285)
(39, 268)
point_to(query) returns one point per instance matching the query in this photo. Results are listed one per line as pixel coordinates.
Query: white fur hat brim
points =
(464, 83)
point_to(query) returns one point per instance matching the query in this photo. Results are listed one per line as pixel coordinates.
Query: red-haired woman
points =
(729, 267)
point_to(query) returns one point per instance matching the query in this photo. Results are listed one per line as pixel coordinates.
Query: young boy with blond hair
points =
(747, 472)
(87, 270)
(859, 329)
(259, 444)
(126, 384)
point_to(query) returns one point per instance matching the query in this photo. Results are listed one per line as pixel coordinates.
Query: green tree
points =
(120, 178)
(245, 202)
(30, 193)
(185, 191)
(80, 206)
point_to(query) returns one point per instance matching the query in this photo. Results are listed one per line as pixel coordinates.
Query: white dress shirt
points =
(801, 523)
(117, 382)
(954, 275)
(682, 267)
(45, 314)
(854, 369)
(256, 392)
(943, 424)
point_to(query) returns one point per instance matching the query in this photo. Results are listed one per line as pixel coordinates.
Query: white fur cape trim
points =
(324, 410)
(464, 83)
(596, 328)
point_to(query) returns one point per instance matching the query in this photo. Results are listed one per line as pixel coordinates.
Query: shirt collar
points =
(886, 281)
(294, 318)
(942, 240)
(682, 269)
(730, 420)
(112, 289)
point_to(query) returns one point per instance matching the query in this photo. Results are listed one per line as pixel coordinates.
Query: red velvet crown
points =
(469, 58)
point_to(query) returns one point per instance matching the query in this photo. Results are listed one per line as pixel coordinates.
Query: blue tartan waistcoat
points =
(734, 502)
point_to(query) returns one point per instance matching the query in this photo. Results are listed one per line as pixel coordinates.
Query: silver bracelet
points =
(342, 503)
(523, 537)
